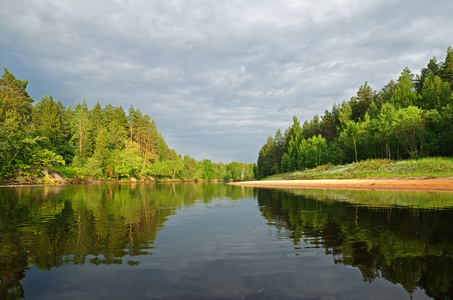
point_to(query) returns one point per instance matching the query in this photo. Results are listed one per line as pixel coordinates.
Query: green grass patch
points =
(423, 168)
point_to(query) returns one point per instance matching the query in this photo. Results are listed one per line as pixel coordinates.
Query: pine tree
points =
(48, 123)
(80, 129)
(14, 97)
(404, 94)
(447, 67)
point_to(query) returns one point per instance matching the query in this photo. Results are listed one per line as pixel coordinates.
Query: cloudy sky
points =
(218, 77)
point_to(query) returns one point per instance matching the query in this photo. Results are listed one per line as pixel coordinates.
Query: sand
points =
(436, 185)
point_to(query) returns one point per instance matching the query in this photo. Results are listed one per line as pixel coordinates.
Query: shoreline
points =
(76, 181)
(423, 185)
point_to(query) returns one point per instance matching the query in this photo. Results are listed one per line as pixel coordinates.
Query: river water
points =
(216, 241)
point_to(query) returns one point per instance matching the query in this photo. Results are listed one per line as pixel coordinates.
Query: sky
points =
(218, 77)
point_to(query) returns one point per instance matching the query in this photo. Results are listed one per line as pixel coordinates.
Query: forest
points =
(409, 118)
(104, 143)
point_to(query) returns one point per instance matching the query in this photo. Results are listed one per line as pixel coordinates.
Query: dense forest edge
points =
(407, 120)
(46, 142)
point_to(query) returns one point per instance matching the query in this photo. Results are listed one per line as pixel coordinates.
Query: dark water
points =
(214, 241)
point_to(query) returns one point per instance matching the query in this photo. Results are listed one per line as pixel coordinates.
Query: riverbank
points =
(423, 168)
(56, 179)
(435, 185)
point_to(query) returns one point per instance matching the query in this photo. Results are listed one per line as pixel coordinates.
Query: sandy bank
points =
(438, 185)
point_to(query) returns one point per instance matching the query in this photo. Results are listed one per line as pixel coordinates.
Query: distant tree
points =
(441, 124)
(328, 126)
(14, 97)
(14, 137)
(446, 69)
(409, 129)
(385, 124)
(191, 169)
(126, 162)
(311, 128)
(279, 147)
(80, 129)
(404, 94)
(434, 132)
(447, 131)
(372, 111)
(361, 103)
(350, 135)
(209, 170)
(67, 117)
(386, 94)
(370, 131)
(432, 67)
(435, 93)
(47, 120)
(20, 152)
(266, 158)
(235, 170)
(117, 126)
(97, 123)
(312, 152)
(101, 151)
(293, 137)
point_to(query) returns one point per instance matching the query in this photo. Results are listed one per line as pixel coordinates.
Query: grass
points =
(423, 168)
(381, 199)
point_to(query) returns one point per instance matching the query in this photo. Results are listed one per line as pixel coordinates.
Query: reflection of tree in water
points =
(13, 263)
(47, 227)
(412, 247)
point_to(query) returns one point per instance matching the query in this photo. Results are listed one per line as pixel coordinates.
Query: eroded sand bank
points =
(444, 185)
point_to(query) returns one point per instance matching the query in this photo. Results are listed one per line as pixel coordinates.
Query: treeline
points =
(98, 142)
(410, 118)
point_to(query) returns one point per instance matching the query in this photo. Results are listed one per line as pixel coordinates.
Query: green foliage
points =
(328, 126)
(312, 152)
(362, 102)
(209, 170)
(191, 169)
(409, 129)
(47, 118)
(267, 158)
(293, 138)
(45, 158)
(238, 171)
(80, 128)
(446, 132)
(404, 94)
(435, 93)
(20, 152)
(11, 136)
(432, 167)
(98, 143)
(412, 117)
(446, 71)
(126, 162)
(166, 169)
(14, 97)
(351, 130)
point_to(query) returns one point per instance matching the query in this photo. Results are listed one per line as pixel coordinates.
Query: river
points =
(216, 241)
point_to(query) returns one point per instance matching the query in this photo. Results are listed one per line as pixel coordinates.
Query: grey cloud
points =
(219, 76)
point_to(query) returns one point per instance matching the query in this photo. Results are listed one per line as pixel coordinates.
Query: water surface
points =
(215, 241)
